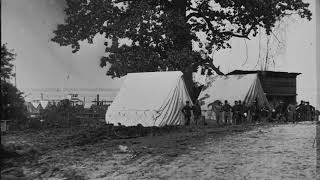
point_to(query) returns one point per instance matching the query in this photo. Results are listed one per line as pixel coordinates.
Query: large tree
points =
(163, 34)
(12, 102)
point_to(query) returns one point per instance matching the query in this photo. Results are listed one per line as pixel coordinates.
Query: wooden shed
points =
(278, 86)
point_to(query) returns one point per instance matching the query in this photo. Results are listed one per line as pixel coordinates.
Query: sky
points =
(27, 27)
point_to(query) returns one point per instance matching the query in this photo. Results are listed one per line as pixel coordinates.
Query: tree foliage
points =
(162, 34)
(12, 102)
(7, 56)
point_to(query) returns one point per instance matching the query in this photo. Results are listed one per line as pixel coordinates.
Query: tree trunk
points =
(183, 40)
(188, 80)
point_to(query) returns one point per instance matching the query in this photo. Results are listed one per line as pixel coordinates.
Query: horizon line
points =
(69, 89)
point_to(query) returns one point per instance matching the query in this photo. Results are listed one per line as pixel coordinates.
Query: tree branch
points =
(215, 69)
(209, 64)
(210, 26)
(235, 35)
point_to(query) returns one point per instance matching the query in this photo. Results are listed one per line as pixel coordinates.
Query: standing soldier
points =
(210, 111)
(304, 111)
(291, 109)
(247, 113)
(242, 110)
(273, 117)
(299, 111)
(227, 112)
(265, 113)
(280, 110)
(313, 113)
(236, 112)
(308, 111)
(317, 113)
(217, 109)
(253, 111)
(186, 110)
(218, 112)
(196, 112)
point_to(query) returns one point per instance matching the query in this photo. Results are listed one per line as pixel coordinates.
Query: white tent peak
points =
(246, 88)
(150, 99)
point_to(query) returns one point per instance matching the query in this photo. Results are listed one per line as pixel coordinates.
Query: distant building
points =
(278, 86)
(75, 101)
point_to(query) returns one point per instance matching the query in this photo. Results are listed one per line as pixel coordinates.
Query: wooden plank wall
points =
(279, 85)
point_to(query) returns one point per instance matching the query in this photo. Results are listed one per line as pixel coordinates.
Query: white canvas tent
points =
(150, 99)
(44, 103)
(246, 88)
(35, 103)
(30, 108)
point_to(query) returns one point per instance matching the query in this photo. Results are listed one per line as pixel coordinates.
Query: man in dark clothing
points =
(265, 113)
(196, 112)
(226, 108)
(313, 113)
(317, 113)
(300, 111)
(217, 109)
(254, 111)
(273, 117)
(308, 112)
(236, 112)
(242, 110)
(291, 112)
(281, 110)
(186, 110)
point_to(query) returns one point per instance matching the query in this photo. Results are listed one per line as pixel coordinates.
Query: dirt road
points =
(283, 151)
(280, 152)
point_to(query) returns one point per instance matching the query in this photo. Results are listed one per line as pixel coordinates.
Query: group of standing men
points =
(225, 114)
(236, 114)
(302, 112)
(222, 113)
(195, 109)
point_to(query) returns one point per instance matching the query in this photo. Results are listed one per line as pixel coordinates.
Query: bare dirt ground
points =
(268, 151)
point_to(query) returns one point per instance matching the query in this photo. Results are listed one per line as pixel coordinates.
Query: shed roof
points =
(267, 73)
